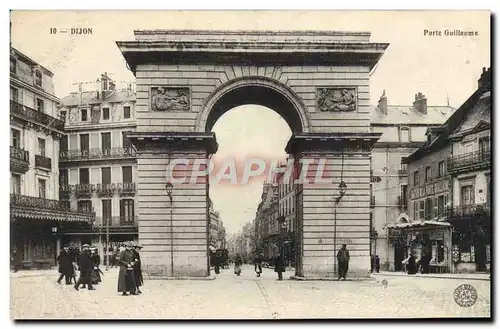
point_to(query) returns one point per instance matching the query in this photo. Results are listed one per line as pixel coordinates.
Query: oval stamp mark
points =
(465, 295)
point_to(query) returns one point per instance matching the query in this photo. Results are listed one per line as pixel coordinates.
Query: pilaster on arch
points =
(253, 81)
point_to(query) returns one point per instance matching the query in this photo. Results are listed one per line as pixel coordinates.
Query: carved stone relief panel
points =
(164, 98)
(337, 99)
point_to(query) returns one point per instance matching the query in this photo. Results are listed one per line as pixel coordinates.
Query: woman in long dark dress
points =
(279, 266)
(237, 265)
(96, 260)
(411, 267)
(126, 276)
(137, 269)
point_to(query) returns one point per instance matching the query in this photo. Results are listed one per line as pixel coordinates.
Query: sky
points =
(440, 67)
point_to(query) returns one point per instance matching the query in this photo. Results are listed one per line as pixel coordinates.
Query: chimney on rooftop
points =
(420, 103)
(485, 79)
(382, 103)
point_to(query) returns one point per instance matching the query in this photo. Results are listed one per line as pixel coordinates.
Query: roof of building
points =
(479, 101)
(481, 113)
(401, 114)
(30, 61)
(90, 97)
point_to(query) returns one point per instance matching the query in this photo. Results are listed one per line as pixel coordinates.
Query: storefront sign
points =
(430, 189)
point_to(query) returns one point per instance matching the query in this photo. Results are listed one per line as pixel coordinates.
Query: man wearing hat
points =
(137, 268)
(65, 265)
(86, 267)
(96, 261)
(126, 276)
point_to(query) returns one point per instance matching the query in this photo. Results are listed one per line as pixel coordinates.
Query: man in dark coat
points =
(86, 267)
(137, 269)
(126, 276)
(65, 265)
(96, 261)
(279, 266)
(377, 263)
(16, 260)
(343, 262)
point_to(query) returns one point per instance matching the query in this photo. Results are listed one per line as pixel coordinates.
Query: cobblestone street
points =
(36, 295)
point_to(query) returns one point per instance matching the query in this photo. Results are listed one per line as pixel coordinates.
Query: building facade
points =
(450, 189)
(37, 215)
(217, 234)
(287, 216)
(403, 130)
(266, 222)
(469, 166)
(98, 169)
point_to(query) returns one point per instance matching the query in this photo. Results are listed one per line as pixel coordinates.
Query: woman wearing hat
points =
(137, 268)
(96, 259)
(126, 276)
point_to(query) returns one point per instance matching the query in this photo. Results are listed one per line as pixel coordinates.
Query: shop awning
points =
(419, 224)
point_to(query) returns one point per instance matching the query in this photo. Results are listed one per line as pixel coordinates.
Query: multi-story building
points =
(266, 222)
(98, 167)
(287, 215)
(403, 130)
(450, 187)
(217, 233)
(37, 215)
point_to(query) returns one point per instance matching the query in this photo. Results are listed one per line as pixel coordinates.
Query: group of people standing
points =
(87, 261)
(130, 276)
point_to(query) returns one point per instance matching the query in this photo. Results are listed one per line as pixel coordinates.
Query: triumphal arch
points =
(318, 81)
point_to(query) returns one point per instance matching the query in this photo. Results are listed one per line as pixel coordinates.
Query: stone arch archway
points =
(255, 90)
(318, 81)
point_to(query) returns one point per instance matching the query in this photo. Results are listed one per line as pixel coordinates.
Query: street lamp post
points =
(342, 191)
(169, 187)
(107, 243)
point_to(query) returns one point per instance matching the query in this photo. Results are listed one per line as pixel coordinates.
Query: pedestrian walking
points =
(217, 262)
(377, 263)
(343, 262)
(126, 276)
(65, 265)
(279, 266)
(372, 263)
(237, 265)
(16, 260)
(411, 267)
(257, 261)
(96, 261)
(86, 266)
(139, 281)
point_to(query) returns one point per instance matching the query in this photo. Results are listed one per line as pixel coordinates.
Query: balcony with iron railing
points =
(23, 206)
(84, 190)
(469, 211)
(126, 189)
(105, 190)
(117, 221)
(19, 160)
(469, 161)
(96, 154)
(403, 172)
(40, 118)
(64, 191)
(43, 162)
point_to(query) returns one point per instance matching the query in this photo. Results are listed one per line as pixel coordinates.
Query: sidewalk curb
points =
(431, 276)
(300, 278)
(196, 278)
